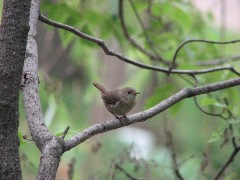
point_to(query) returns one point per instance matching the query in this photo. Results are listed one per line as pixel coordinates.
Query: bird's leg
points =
(117, 117)
(123, 119)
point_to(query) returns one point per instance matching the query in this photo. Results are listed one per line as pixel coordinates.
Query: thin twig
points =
(200, 41)
(131, 40)
(227, 163)
(169, 144)
(204, 111)
(65, 132)
(110, 52)
(218, 61)
(150, 43)
(199, 107)
(117, 166)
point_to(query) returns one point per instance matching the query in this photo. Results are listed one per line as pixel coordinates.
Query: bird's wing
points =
(111, 98)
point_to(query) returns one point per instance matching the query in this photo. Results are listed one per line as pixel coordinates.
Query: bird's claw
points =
(123, 119)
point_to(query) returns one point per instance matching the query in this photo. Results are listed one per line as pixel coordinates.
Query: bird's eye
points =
(129, 92)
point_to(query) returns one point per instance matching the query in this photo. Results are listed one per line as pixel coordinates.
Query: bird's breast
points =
(122, 107)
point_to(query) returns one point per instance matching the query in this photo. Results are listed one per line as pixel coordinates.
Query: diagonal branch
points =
(129, 176)
(229, 161)
(150, 43)
(170, 145)
(110, 52)
(149, 113)
(133, 41)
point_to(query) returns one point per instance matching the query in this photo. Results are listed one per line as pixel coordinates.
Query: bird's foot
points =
(123, 119)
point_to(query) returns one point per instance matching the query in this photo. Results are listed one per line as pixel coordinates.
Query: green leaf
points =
(212, 101)
(216, 134)
(220, 105)
(208, 101)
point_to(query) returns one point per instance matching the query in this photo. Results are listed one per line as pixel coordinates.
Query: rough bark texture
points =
(13, 40)
(50, 146)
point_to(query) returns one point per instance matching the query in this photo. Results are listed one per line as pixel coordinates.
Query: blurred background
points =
(68, 65)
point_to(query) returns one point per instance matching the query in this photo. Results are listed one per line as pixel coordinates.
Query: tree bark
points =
(13, 39)
(51, 147)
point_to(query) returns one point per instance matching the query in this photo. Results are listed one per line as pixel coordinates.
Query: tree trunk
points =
(13, 39)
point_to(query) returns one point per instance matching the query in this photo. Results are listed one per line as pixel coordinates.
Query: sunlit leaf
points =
(216, 134)
(208, 101)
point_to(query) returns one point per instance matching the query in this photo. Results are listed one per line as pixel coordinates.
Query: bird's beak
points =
(137, 93)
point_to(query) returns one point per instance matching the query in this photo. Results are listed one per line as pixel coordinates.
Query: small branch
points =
(169, 144)
(110, 52)
(217, 61)
(130, 39)
(197, 104)
(150, 43)
(128, 175)
(200, 41)
(227, 163)
(147, 114)
(234, 143)
(65, 132)
(117, 166)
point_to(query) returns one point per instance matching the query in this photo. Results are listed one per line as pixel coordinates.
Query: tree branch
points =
(38, 129)
(227, 163)
(133, 41)
(170, 145)
(129, 176)
(65, 132)
(148, 39)
(50, 146)
(200, 41)
(218, 61)
(147, 114)
(110, 52)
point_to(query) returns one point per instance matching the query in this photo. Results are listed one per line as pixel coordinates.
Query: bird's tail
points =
(99, 87)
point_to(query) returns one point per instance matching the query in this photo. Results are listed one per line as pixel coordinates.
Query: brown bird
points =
(118, 102)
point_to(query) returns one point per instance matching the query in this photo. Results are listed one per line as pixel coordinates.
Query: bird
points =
(118, 102)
